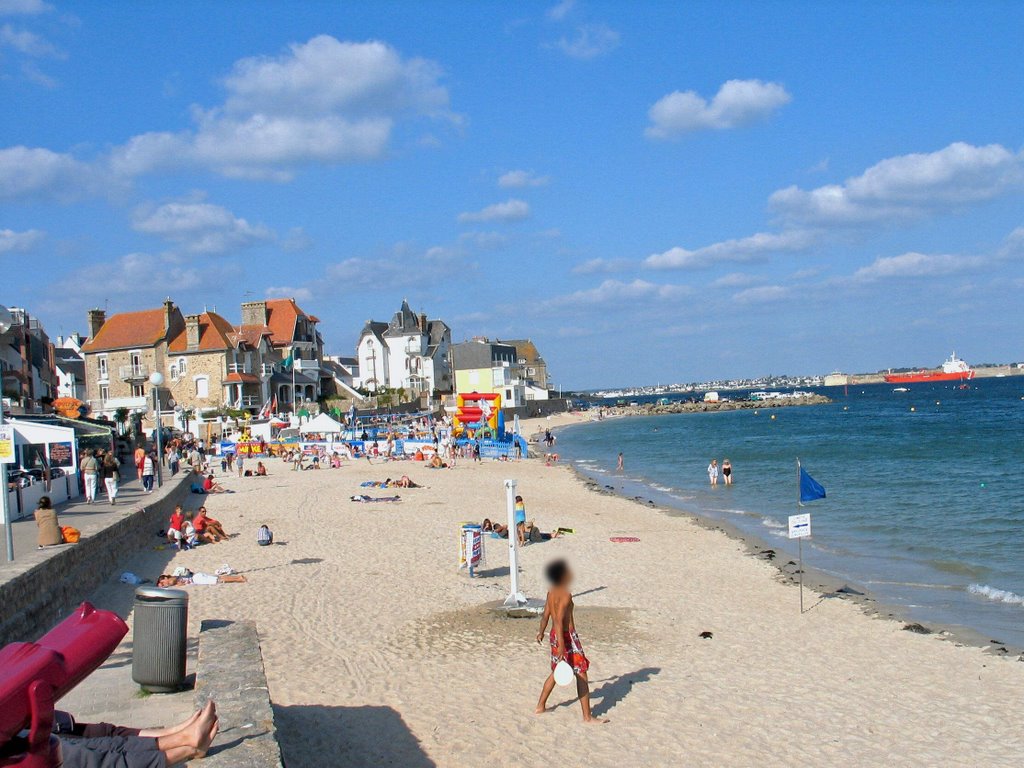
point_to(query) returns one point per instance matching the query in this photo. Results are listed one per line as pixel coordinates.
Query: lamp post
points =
(157, 379)
(6, 321)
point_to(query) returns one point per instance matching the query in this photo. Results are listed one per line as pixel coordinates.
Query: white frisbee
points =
(563, 673)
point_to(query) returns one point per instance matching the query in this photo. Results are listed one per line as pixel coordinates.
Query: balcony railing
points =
(134, 372)
(239, 368)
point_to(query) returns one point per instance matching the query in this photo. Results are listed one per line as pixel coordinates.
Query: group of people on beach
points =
(726, 472)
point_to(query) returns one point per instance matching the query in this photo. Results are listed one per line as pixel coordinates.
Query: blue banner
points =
(810, 489)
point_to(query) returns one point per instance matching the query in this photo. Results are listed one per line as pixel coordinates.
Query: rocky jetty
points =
(682, 406)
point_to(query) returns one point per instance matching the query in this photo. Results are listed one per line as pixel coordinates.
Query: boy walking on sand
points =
(565, 643)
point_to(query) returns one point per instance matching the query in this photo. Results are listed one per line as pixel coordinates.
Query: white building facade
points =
(410, 352)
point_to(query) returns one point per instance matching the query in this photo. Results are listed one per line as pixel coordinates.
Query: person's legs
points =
(545, 692)
(583, 691)
(90, 488)
(110, 484)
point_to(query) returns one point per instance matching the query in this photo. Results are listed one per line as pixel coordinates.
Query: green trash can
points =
(160, 639)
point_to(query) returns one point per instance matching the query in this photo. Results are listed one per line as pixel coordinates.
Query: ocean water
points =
(925, 488)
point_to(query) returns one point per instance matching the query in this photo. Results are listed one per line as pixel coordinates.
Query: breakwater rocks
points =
(683, 406)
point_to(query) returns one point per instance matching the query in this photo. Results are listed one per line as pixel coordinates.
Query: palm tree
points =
(121, 418)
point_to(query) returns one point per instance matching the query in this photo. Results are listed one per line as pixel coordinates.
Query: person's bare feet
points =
(203, 729)
(541, 710)
(162, 732)
(595, 720)
(204, 745)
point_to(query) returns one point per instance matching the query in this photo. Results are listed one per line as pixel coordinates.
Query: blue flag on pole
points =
(810, 489)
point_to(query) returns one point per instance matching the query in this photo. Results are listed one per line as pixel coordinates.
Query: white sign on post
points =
(6, 444)
(800, 526)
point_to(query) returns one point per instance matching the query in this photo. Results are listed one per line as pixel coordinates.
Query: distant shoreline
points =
(685, 406)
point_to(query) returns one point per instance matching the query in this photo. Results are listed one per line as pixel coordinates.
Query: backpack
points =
(71, 535)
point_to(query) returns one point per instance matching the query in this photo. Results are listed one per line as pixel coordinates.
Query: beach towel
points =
(624, 539)
(367, 499)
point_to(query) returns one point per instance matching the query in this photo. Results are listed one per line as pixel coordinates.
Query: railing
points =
(133, 372)
(267, 370)
(251, 401)
(239, 368)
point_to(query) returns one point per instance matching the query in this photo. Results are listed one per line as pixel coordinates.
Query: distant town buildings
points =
(532, 367)
(29, 379)
(69, 366)
(410, 352)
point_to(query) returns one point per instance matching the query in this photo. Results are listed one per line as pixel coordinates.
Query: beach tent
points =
(322, 424)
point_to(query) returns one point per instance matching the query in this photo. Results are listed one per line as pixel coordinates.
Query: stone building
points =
(532, 367)
(27, 367)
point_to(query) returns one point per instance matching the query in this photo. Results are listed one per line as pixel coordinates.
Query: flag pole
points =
(800, 541)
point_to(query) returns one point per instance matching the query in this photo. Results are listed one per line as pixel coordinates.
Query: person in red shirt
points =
(174, 534)
(207, 528)
(211, 486)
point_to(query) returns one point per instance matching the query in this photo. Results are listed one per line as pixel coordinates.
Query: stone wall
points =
(44, 592)
(231, 673)
(213, 365)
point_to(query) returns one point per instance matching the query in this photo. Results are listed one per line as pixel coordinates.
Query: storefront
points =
(45, 464)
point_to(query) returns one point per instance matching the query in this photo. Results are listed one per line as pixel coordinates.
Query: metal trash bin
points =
(160, 639)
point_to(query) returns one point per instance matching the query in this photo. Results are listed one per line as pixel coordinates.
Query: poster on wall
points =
(61, 455)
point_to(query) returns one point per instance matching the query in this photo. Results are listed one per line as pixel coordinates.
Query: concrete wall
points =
(42, 587)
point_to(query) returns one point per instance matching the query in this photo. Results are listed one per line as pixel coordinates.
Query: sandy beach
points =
(379, 651)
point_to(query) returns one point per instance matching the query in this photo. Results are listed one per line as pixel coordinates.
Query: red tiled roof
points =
(214, 335)
(250, 334)
(244, 378)
(128, 329)
(281, 317)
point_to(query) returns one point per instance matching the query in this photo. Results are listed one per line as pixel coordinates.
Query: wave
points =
(996, 595)
(770, 522)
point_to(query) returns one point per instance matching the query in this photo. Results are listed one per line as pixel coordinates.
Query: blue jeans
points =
(147, 482)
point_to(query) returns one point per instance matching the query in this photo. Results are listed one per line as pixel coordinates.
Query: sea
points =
(925, 488)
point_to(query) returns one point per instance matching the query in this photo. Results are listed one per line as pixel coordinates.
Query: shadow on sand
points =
(353, 736)
(610, 692)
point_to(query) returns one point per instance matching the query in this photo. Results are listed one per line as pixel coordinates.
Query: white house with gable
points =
(410, 352)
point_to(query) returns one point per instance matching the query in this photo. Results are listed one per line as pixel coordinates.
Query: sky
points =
(653, 193)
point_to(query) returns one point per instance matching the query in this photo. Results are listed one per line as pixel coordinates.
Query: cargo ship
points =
(953, 369)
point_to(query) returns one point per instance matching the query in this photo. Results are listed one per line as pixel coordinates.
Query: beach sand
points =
(379, 651)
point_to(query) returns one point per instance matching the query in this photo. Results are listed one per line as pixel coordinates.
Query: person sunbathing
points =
(405, 482)
(261, 470)
(199, 580)
(534, 534)
(499, 530)
(207, 528)
(212, 486)
(436, 463)
(83, 745)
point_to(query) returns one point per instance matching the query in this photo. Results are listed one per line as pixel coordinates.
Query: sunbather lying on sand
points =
(199, 580)
(499, 530)
(102, 745)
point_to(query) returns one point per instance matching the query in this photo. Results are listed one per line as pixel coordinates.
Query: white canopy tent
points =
(322, 424)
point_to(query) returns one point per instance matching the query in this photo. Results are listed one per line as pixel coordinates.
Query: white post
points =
(8, 531)
(515, 598)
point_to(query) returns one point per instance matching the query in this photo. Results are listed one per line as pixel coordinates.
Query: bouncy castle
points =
(480, 413)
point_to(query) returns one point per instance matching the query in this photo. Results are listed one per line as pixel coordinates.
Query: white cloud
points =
(521, 179)
(323, 101)
(597, 266)
(485, 241)
(907, 186)
(590, 41)
(562, 9)
(19, 242)
(916, 265)
(287, 292)
(756, 247)
(617, 292)
(27, 172)
(200, 227)
(24, 7)
(133, 273)
(737, 103)
(510, 210)
(764, 294)
(736, 280)
(28, 43)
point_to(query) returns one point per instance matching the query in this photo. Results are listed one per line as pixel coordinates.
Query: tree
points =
(121, 416)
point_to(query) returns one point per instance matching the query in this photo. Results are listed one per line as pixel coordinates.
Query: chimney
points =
(254, 313)
(192, 332)
(423, 323)
(168, 314)
(95, 319)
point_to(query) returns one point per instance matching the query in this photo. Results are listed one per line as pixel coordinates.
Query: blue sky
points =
(660, 192)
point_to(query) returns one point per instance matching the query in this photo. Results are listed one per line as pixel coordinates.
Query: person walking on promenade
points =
(713, 471)
(111, 476)
(148, 472)
(174, 460)
(90, 467)
(140, 460)
(565, 643)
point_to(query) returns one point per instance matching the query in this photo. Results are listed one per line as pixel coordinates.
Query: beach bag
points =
(71, 535)
(198, 488)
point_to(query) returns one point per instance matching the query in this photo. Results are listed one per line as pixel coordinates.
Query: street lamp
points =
(157, 379)
(6, 321)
